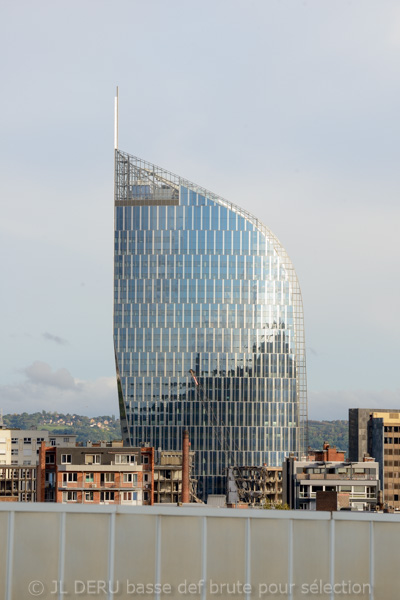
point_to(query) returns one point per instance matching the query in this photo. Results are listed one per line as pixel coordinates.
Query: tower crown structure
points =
(201, 284)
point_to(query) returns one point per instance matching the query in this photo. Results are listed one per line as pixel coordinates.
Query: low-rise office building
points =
(377, 432)
(303, 479)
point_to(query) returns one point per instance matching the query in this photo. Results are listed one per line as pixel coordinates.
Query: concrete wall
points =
(95, 551)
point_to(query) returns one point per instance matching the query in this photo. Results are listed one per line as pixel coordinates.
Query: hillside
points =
(336, 433)
(108, 428)
(92, 429)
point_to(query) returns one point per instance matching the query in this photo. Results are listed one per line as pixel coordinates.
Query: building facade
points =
(302, 480)
(202, 285)
(377, 432)
(254, 486)
(20, 447)
(168, 478)
(19, 457)
(98, 473)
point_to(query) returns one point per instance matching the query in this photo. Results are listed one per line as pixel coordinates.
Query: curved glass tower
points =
(202, 285)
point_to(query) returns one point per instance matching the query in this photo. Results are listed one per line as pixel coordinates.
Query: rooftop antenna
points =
(116, 121)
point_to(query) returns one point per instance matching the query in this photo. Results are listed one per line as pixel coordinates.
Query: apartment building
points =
(19, 456)
(97, 473)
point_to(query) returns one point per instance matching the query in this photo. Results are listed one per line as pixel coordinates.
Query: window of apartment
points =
(130, 478)
(129, 496)
(14, 440)
(125, 459)
(39, 441)
(146, 477)
(88, 496)
(70, 496)
(66, 459)
(49, 459)
(107, 496)
(66, 439)
(89, 478)
(145, 460)
(387, 440)
(27, 462)
(52, 441)
(14, 452)
(107, 478)
(146, 496)
(92, 459)
(27, 440)
(70, 477)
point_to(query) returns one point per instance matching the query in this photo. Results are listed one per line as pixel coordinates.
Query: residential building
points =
(377, 432)
(21, 446)
(99, 473)
(201, 284)
(303, 479)
(19, 456)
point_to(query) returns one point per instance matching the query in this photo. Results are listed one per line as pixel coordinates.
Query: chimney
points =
(185, 467)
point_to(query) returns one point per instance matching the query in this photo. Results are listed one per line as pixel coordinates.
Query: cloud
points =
(54, 338)
(57, 390)
(41, 373)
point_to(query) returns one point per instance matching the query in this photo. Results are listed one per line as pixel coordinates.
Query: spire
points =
(116, 120)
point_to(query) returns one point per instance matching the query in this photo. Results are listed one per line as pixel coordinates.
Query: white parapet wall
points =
(56, 552)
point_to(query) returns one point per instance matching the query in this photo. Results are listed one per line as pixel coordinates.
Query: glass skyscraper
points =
(202, 285)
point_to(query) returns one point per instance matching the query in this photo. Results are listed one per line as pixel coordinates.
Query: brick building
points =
(327, 454)
(98, 473)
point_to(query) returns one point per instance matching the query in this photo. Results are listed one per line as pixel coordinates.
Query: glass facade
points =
(200, 284)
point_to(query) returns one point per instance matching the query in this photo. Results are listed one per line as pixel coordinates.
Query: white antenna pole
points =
(116, 121)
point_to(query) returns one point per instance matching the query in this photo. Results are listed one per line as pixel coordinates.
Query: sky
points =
(287, 108)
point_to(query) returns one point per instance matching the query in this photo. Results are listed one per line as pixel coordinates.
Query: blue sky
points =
(289, 109)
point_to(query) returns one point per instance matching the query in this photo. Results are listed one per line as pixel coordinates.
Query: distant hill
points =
(94, 429)
(336, 433)
(107, 428)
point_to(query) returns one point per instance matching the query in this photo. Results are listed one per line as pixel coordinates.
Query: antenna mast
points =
(116, 121)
